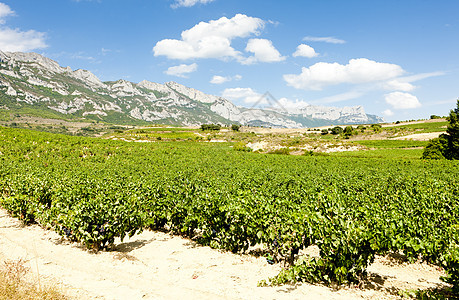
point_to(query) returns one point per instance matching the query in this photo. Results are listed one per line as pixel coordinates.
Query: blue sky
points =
(398, 59)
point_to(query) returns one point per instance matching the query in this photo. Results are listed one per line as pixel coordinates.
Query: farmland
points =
(94, 190)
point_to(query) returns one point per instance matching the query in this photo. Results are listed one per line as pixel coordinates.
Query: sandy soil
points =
(420, 136)
(155, 265)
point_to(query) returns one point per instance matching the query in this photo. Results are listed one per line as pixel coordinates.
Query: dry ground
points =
(155, 265)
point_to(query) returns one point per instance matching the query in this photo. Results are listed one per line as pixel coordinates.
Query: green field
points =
(409, 154)
(158, 133)
(388, 144)
(92, 190)
(425, 127)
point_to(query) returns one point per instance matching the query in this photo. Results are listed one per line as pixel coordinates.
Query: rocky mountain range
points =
(32, 83)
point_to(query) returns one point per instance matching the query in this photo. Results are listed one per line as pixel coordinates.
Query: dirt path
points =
(155, 265)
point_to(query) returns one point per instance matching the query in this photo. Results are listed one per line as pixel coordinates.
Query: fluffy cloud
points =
(290, 105)
(397, 85)
(327, 39)
(189, 3)
(16, 40)
(248, 95)
(219, 79)
(357, 71)
(388, 113)
(305, 51)
(222, 79)
(5, 11)
(210, 39)
(13, 40)
(181, 70)
(399, 100)
(263, 51)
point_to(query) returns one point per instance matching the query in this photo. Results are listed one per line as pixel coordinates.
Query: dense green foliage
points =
(337, 130)
(215, 127)
(93, 190)
(447, 145)
(235, 127)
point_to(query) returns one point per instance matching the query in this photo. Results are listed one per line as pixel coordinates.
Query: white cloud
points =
(290, 105)
(328, 39)
(14, 40)
(210, 39)
(181, 70)
(248, 95)
(399, 100)
(388, 113)
(5, 11)
(397, 85)
(305, 51)
(222, 79)
(189, 3)
(357, 71)
(105, 51)
(263, 51)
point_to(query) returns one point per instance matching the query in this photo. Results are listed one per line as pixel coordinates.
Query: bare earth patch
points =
(419, 136)
(155, 265)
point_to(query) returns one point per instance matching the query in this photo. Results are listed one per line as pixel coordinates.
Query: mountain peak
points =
(34, 59)
(90, 78)
(80, 93)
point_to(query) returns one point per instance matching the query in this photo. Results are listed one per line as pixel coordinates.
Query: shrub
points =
(212, 127)
(284, 151)
(376, 127)
(235, 127)
(241, 147)
(447, 145)
(337, 130)
(436, 149)
(348, 131)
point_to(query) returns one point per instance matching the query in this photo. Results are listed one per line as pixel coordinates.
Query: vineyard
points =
(94, 190)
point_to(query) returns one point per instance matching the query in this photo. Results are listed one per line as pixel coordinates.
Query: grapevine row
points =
(94, 190)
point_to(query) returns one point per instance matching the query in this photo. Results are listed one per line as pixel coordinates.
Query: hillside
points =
(35, 85)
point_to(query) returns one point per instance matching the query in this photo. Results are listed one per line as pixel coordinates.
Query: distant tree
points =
(235, 127)
(446, 145)
(324, 132)
(348, 131)
(434, 117)
(215, 127)
(453, 131)
(337, 130)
